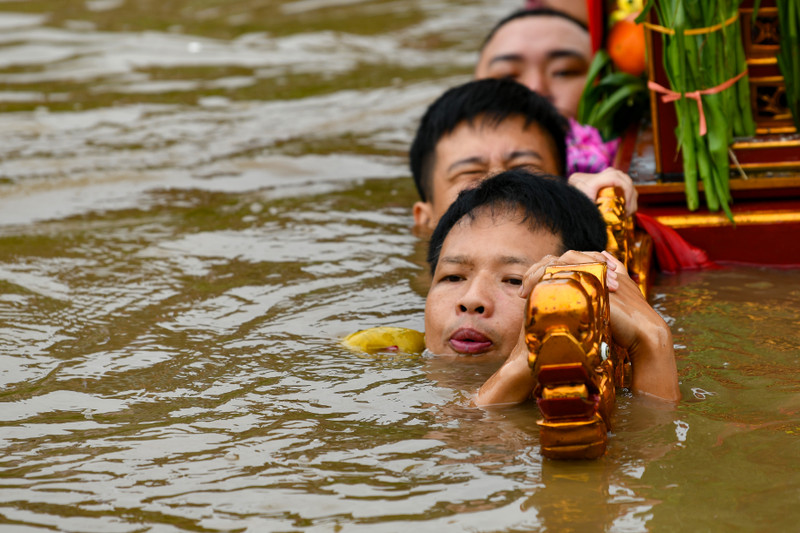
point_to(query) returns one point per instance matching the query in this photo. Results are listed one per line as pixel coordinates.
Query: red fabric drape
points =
(673, 253)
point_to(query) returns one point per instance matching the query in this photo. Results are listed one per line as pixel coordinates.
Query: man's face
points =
(473, 306)
(547, 54)
(473, 152)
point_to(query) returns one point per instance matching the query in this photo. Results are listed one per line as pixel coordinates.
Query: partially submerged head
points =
(476, 130)
(546, 50)
(482, 247)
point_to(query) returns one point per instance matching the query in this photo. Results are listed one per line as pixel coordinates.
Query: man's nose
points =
(536, 82)
(468, 308)
(498, 162)
(475, 300)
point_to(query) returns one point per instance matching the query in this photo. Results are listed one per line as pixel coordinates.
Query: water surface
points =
(198, 199)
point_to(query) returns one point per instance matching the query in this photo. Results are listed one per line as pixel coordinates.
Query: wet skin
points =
(549, 55)
(473, 152)
(474, 305)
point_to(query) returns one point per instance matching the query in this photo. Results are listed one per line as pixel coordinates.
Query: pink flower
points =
(586, 150)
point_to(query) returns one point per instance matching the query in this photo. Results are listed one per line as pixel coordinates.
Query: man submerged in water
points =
(484, 127)
(489, 250)
(550, 51)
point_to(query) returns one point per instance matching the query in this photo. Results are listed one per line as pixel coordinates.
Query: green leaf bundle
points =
(703, 54)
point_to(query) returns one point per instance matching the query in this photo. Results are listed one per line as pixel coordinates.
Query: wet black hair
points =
(545, 202)
(492, 100)
(537, 12)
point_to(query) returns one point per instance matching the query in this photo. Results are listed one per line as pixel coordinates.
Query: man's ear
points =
(423, 215)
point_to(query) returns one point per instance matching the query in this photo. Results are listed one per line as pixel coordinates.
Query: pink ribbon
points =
(671, 96)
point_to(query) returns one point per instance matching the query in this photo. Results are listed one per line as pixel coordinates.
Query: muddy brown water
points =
(198, 199)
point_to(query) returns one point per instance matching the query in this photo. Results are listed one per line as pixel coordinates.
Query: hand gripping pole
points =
(575, 362)
(631, 245)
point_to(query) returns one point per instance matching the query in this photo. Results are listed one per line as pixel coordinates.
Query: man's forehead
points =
(535, 31)
(549, 21)
(494, 218)
(523, 238)
(501, 127)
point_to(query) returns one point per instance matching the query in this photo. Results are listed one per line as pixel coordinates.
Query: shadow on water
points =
(199, 199)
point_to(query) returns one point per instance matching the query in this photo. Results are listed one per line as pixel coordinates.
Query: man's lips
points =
(468, 340)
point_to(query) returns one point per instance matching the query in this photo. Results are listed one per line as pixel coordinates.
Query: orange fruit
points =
(625, 45)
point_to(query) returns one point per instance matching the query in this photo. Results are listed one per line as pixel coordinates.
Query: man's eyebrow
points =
(503, 260)
(524, 153)
(565, 52)
(505, 57)
(514, 260)
(466, 161)
(480, 160)
(455, 259)
(552, 54)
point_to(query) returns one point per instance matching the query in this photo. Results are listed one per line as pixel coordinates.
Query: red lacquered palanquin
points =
(766, 204)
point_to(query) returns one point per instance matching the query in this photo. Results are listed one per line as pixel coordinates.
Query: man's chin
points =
(450, 353)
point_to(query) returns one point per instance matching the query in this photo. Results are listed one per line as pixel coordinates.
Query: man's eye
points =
(504, 72)
(469, 178)
(513, 281)
(471, 173)
(452, 278)
(569, 73)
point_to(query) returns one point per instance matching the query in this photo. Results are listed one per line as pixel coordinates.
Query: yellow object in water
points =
(386, 339)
